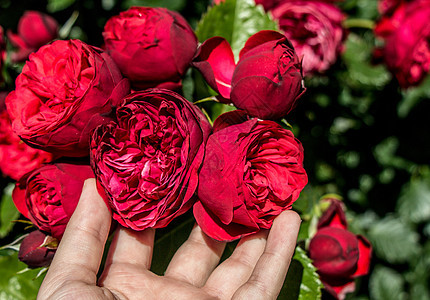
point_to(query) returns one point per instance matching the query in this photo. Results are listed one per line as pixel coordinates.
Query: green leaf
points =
(168, 240)
(17, 286)
(413, 96)
(302, 280)
(57, 5)
(360, 71)
(385, 154)
(385, 283)
(394, 240)
(169, 4)
(414, 201)
(236, 21)
(8, 211)
(188, 86)
(418, 276)
(218, 109)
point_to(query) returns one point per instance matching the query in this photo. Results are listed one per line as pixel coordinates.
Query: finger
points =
(195, 259)
(81, 248)
(131, 247)
(269, 274)
(236, 269)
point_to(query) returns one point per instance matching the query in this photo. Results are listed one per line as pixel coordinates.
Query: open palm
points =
(256, 269)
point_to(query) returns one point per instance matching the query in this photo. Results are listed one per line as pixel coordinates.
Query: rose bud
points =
(16, 157)
(252, 171)
(339, 255)
(152, 46)
(315, 30)
(65, 90)
(267, 80)
(148, 162)
(405, 33)
(37, 249)
(48, 196)
(35, 29)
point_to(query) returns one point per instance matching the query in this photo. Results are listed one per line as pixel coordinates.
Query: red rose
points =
(148, 163)
(406, 33)
(152, 46)
(267, 80)
(315, 30)
(16, 157)
(65, 90)
(338, 254)
(35, 29)
(253, 170)
(386, 7)
(37, 249)
(48, 196)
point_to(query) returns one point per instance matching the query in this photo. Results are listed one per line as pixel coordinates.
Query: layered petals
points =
(65, 90)
(405, 31)
(267, 80)
(315, 30)
(339, 255)
(148, 162)
(152, 46)
(259, 166)
(49, 195)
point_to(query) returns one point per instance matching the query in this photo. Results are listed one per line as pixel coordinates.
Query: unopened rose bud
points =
(35, 29)
(37, 249)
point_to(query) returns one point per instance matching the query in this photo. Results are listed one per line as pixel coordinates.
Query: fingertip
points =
(91, 199)
(290, 217)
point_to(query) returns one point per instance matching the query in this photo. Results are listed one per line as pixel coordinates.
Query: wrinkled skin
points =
(256, 269)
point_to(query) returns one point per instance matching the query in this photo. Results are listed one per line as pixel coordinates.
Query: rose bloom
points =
(339, 255)
(152, 46)
(253, 170)
(49, 195)
(405, 33)
(16, 157)
(315, 30)
(35, 29)
(267, 80)
(386, 7)
(64, 91)
(148, 162)
(37, 249)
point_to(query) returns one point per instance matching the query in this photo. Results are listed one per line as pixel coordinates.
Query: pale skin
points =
(256, 269)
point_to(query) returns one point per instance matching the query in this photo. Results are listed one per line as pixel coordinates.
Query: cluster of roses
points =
(314, 28)
(405, 31)
(115, 114)
(112, 114)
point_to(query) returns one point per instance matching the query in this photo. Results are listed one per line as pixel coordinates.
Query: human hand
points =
(256, 269)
